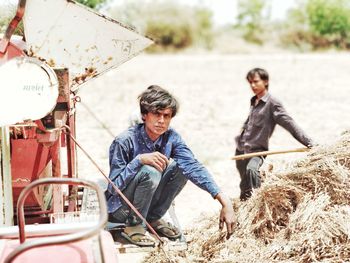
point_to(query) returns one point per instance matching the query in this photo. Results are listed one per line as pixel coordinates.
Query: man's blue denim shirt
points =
(125, 163)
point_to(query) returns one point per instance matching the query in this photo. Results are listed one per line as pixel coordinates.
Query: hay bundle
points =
(273, 207)
(301, 214)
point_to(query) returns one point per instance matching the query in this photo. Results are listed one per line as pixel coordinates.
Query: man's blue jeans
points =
(151, 192)
(250, 175)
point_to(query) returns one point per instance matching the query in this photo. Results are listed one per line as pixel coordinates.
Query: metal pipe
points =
(73, 237)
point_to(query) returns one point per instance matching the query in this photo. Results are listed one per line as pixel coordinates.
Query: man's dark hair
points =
(262, 74)
(155, 98)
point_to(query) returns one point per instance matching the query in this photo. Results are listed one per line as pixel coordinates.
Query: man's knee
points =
(176, 174)
(149, 169)
(150, 175)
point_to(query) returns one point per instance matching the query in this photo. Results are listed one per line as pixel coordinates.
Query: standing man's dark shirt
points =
(261, 122)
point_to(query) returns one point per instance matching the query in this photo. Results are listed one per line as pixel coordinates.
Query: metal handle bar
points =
(24, 246)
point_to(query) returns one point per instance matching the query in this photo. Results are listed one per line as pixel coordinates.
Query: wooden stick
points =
(250, 155)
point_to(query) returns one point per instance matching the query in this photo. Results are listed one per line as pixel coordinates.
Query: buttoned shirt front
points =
(125, 163)
(261, 122)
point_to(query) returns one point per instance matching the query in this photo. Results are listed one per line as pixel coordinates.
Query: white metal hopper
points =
(67, 34)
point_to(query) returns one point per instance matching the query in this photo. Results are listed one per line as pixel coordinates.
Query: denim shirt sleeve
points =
(192, 169)
(122, 167)
(282, 118)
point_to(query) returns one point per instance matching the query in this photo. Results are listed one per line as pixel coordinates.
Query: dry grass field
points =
(214, 98)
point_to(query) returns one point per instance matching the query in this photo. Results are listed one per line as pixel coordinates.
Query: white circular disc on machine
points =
(28, 90)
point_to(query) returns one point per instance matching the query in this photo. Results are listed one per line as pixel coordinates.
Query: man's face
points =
(156, 123)
(258, 86)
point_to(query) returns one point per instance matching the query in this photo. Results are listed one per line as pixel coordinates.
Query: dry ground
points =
(214, 98)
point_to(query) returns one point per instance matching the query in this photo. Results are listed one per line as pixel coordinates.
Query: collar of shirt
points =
(264, 98)
(153, 146)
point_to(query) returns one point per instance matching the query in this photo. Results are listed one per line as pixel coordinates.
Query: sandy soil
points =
(214, 98)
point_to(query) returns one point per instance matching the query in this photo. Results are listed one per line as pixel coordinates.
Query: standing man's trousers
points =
(250, 175)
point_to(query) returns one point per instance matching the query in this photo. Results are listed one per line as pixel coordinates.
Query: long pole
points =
(264, 153)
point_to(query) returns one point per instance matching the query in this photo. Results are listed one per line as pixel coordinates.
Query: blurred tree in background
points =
(330, 22)
(253, 17)
(171, 25)
(319, 24)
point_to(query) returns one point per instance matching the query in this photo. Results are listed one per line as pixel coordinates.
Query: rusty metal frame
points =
(55, 240)
(12, 26)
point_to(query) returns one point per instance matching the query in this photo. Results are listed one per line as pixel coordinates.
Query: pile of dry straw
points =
(301, 214)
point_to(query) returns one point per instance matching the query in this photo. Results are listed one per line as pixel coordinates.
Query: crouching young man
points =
(151, 164)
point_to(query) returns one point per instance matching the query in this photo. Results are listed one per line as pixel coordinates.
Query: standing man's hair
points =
(155, 98)
(262, 74)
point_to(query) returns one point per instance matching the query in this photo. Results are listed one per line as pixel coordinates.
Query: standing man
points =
(265, 112)
(150, 164)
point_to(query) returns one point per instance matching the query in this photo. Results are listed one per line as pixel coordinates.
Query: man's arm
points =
(200, 176)
(283, 119)
(226, 214)
(191, 168)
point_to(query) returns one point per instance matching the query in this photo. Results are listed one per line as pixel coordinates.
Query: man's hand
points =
(226, 214)
(155, 159)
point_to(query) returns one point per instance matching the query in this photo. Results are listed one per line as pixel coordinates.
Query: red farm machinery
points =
(64, 45)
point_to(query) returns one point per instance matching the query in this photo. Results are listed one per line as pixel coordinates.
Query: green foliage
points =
(294, 31)
(319, 24)
(172, 26)
(92, 3)
(169, 26)
(176, 35)
(330, 19)
(252, 18)
(203, 28)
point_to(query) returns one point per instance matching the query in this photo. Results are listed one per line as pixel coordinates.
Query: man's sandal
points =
(137, 235)
(166, 229)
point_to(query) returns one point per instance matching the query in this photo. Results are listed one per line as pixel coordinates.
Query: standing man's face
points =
(258, 86)
(157, 123)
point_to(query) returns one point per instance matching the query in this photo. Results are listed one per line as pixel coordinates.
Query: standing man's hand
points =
(155, 159)
(226, 214)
